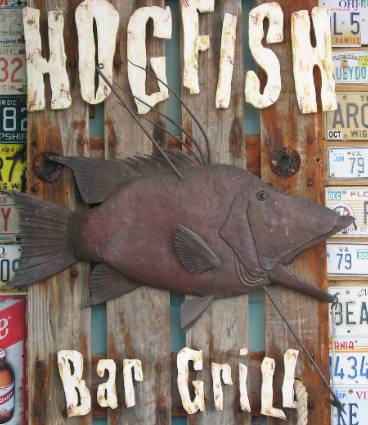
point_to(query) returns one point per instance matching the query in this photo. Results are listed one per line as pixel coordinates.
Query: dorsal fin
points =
(98, 179)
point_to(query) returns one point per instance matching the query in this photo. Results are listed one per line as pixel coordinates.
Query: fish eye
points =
(262, 195)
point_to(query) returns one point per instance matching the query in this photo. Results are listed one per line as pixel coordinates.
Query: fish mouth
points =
(342, 223)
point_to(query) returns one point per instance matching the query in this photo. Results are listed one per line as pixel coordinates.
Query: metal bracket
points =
(285, 162)
(45, 169)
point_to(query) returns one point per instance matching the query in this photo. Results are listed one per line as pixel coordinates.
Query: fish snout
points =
(342, 223)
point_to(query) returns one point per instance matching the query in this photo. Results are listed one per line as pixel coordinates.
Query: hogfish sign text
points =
(106, 17)
(78, 397)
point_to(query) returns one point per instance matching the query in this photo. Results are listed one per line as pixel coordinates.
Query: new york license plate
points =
(347, 259)
(9, 221)
(351, 201)
(12, 167)
(355, 402)
(350, 120)
(347, 163)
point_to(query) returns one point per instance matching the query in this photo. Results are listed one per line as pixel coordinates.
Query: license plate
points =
(349, 368)
(355, 403)
(12, 71)
(11, 27)
(345, 22)
(13, 342)
(347, 259)
(12, 167)
(351, 201)
(347, 163)
(350, 66)
(350, 120)
(9, 221)
(13, 119)
(9, 262)
(350, 316)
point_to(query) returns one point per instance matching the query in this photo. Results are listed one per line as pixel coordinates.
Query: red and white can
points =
(12, 358)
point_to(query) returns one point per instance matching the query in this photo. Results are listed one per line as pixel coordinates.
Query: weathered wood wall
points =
(56, 319)
(282, 125)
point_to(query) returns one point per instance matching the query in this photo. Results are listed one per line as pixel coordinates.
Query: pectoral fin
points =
(193, 252)
(192, 310)
(107, 284)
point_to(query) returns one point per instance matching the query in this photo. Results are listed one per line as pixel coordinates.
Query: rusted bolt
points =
(285, 162)
(34, 188)
(310, 182)
(45, 169)
(311, 405)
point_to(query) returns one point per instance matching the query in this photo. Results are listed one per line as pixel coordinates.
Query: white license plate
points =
(351, 201)
(350, 66)
(349, 368)
(347, 163)
(350, 316)
(346, 25)
(9, 220)
(11, 27)
(9, 262)
(347, 259)
(355, 403)
(12, 71)
(350, 120)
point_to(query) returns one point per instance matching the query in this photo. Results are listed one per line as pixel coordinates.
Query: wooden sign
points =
(351, 201)
(351, 66)
(350, 120)
(347, 259)
(347, 163)
(107, 18)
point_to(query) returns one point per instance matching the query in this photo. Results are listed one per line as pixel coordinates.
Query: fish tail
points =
(45, 243)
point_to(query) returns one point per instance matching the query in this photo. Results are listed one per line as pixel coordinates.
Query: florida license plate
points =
(351, 201)
(350, 66)
(355, 402)
(12, 167)
(347, 163)
(347, 259)
(350, 120)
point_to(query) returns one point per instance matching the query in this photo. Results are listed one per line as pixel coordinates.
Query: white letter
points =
(137, 54)
(228, 40)
(305, 57)
(218, 370)
(73, 383)
(37, 65)
(268, 370)
(106, 393)
(128, 367)
(290, 359)
(243, 376)
(184, 356)
(107, 23)
(193, 42)
(265, 58)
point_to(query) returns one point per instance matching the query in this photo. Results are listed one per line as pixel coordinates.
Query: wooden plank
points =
(56, 319)
(139, 322)
(283, 125)
(223, 329)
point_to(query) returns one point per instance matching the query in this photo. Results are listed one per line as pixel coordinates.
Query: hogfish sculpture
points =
(172, 222)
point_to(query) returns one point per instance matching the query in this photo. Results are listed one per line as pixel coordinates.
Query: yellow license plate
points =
(13, 167)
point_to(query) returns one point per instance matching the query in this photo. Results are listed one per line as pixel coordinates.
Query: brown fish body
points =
(134, 231)
(219, 231)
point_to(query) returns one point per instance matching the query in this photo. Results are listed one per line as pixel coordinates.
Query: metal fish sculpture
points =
(173, 221)
(218, 232)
